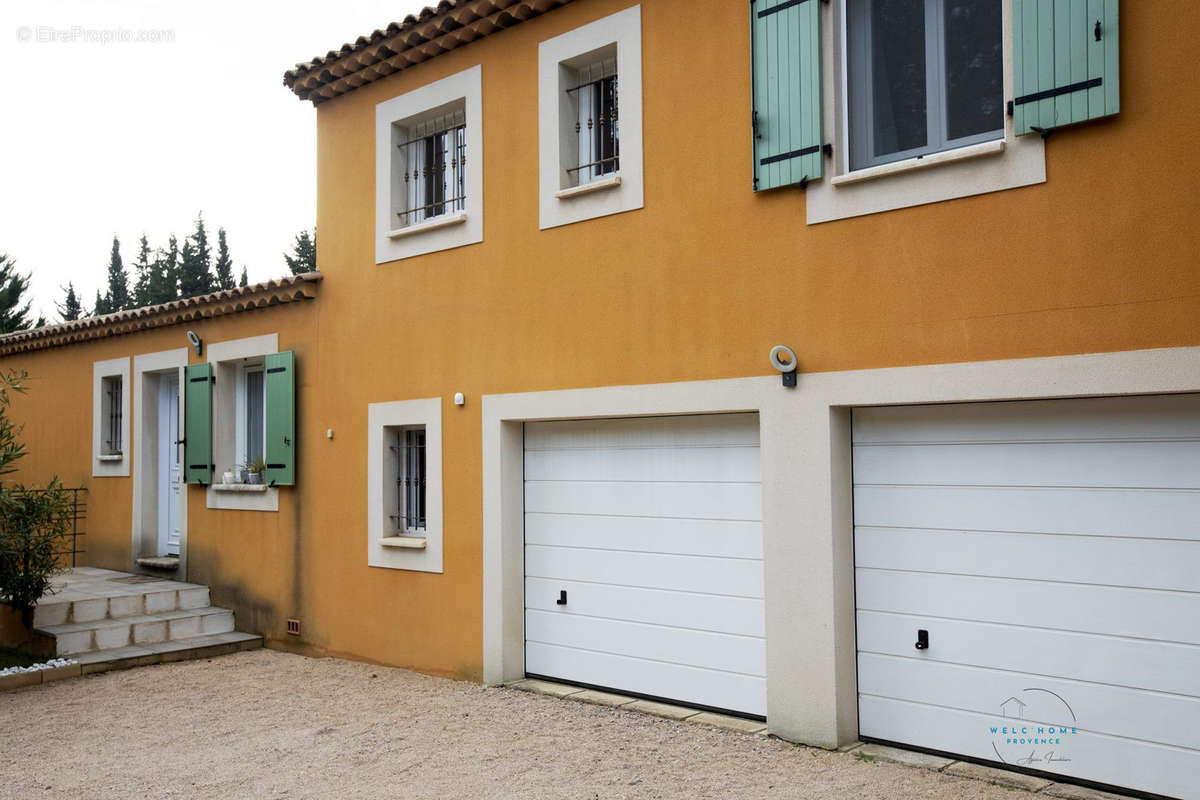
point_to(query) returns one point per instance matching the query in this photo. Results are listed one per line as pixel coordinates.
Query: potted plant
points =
(230, 475)
(255, 470)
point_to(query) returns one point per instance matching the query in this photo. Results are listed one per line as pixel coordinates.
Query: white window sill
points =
(406, 542)
(110, 457)
(610, 182)
(247, 488)
(444, 221)
(984, 149)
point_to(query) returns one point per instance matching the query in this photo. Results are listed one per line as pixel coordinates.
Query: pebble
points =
(51, 664)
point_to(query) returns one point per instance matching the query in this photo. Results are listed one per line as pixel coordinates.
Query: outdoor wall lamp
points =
(783, 359)
(195, 341)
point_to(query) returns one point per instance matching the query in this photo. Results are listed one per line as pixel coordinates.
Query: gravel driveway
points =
(269, 724)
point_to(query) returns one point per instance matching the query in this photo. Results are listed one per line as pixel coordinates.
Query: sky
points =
(124, 117)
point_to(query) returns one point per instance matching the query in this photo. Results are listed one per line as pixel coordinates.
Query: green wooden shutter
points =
(280, 425)
(197, 424)
(1066, 62)
(785, 45)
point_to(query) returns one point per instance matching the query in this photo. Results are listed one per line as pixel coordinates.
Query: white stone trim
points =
(807, 499)
(624, 29)
(391, 243)
(112, 466)
(841, 195)
(385, 547)
(226, 359)
(146, 368)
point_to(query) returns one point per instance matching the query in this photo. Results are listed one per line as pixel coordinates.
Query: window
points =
(433, 164)
(244, 414)
(251, 414)
(429, 168)
(593, 103)
(111, 442)
(110, 418)
(590, 120)
(410, 481)
(924, 76)
(404, 485)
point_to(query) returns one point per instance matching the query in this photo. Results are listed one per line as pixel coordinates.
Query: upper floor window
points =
(924, 76)
(429, 168)
(432, 162)
(590, 120)
(593, 104)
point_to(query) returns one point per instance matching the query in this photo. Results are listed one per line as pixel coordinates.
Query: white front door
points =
(1028, 584)
(643, 557)
(168, 465)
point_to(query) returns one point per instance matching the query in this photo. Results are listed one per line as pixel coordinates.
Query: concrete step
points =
(118, 601)
(159, 652)
(74, 638)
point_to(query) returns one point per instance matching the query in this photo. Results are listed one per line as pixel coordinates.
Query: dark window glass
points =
(435, 174)
(899, 75)
(974, 68)
(605, 132)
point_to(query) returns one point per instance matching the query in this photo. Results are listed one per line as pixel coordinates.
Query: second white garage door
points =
(643, 557)
(1050, 554)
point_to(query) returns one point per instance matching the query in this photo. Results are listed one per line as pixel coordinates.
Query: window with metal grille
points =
(593, 99)
(111, 411)
(433, 165)
(409, 449)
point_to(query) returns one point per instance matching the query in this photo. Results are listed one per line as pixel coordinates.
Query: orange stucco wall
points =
(697, 285)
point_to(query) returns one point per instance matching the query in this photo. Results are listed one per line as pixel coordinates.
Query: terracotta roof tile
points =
(217, 304)
(435, 30)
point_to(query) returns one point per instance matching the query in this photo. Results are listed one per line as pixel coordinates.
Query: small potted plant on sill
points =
(230, 475)
(254, 471)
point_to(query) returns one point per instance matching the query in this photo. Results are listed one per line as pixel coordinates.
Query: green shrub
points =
(33, 530)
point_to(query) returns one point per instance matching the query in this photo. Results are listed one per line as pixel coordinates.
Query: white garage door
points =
(651, 531)
(1051, 551)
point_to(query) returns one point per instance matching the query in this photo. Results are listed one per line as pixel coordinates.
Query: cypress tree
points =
(195, 267)
(101, 308)
(144, 272)
(70, 308)
(165, 286)
(224, 265)
(303, 257)
(118, 298)
(15, 315)
(245, 279)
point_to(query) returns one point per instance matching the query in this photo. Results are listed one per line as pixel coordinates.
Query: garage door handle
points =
(922, 639)
(562, 598)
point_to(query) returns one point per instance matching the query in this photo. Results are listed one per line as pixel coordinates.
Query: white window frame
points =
(989, 166)
(387, 546)
(562, 200)
(394, 240)
(107, 464)
(229, 359)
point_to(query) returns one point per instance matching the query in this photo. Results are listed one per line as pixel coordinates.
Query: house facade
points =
(536, 418)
